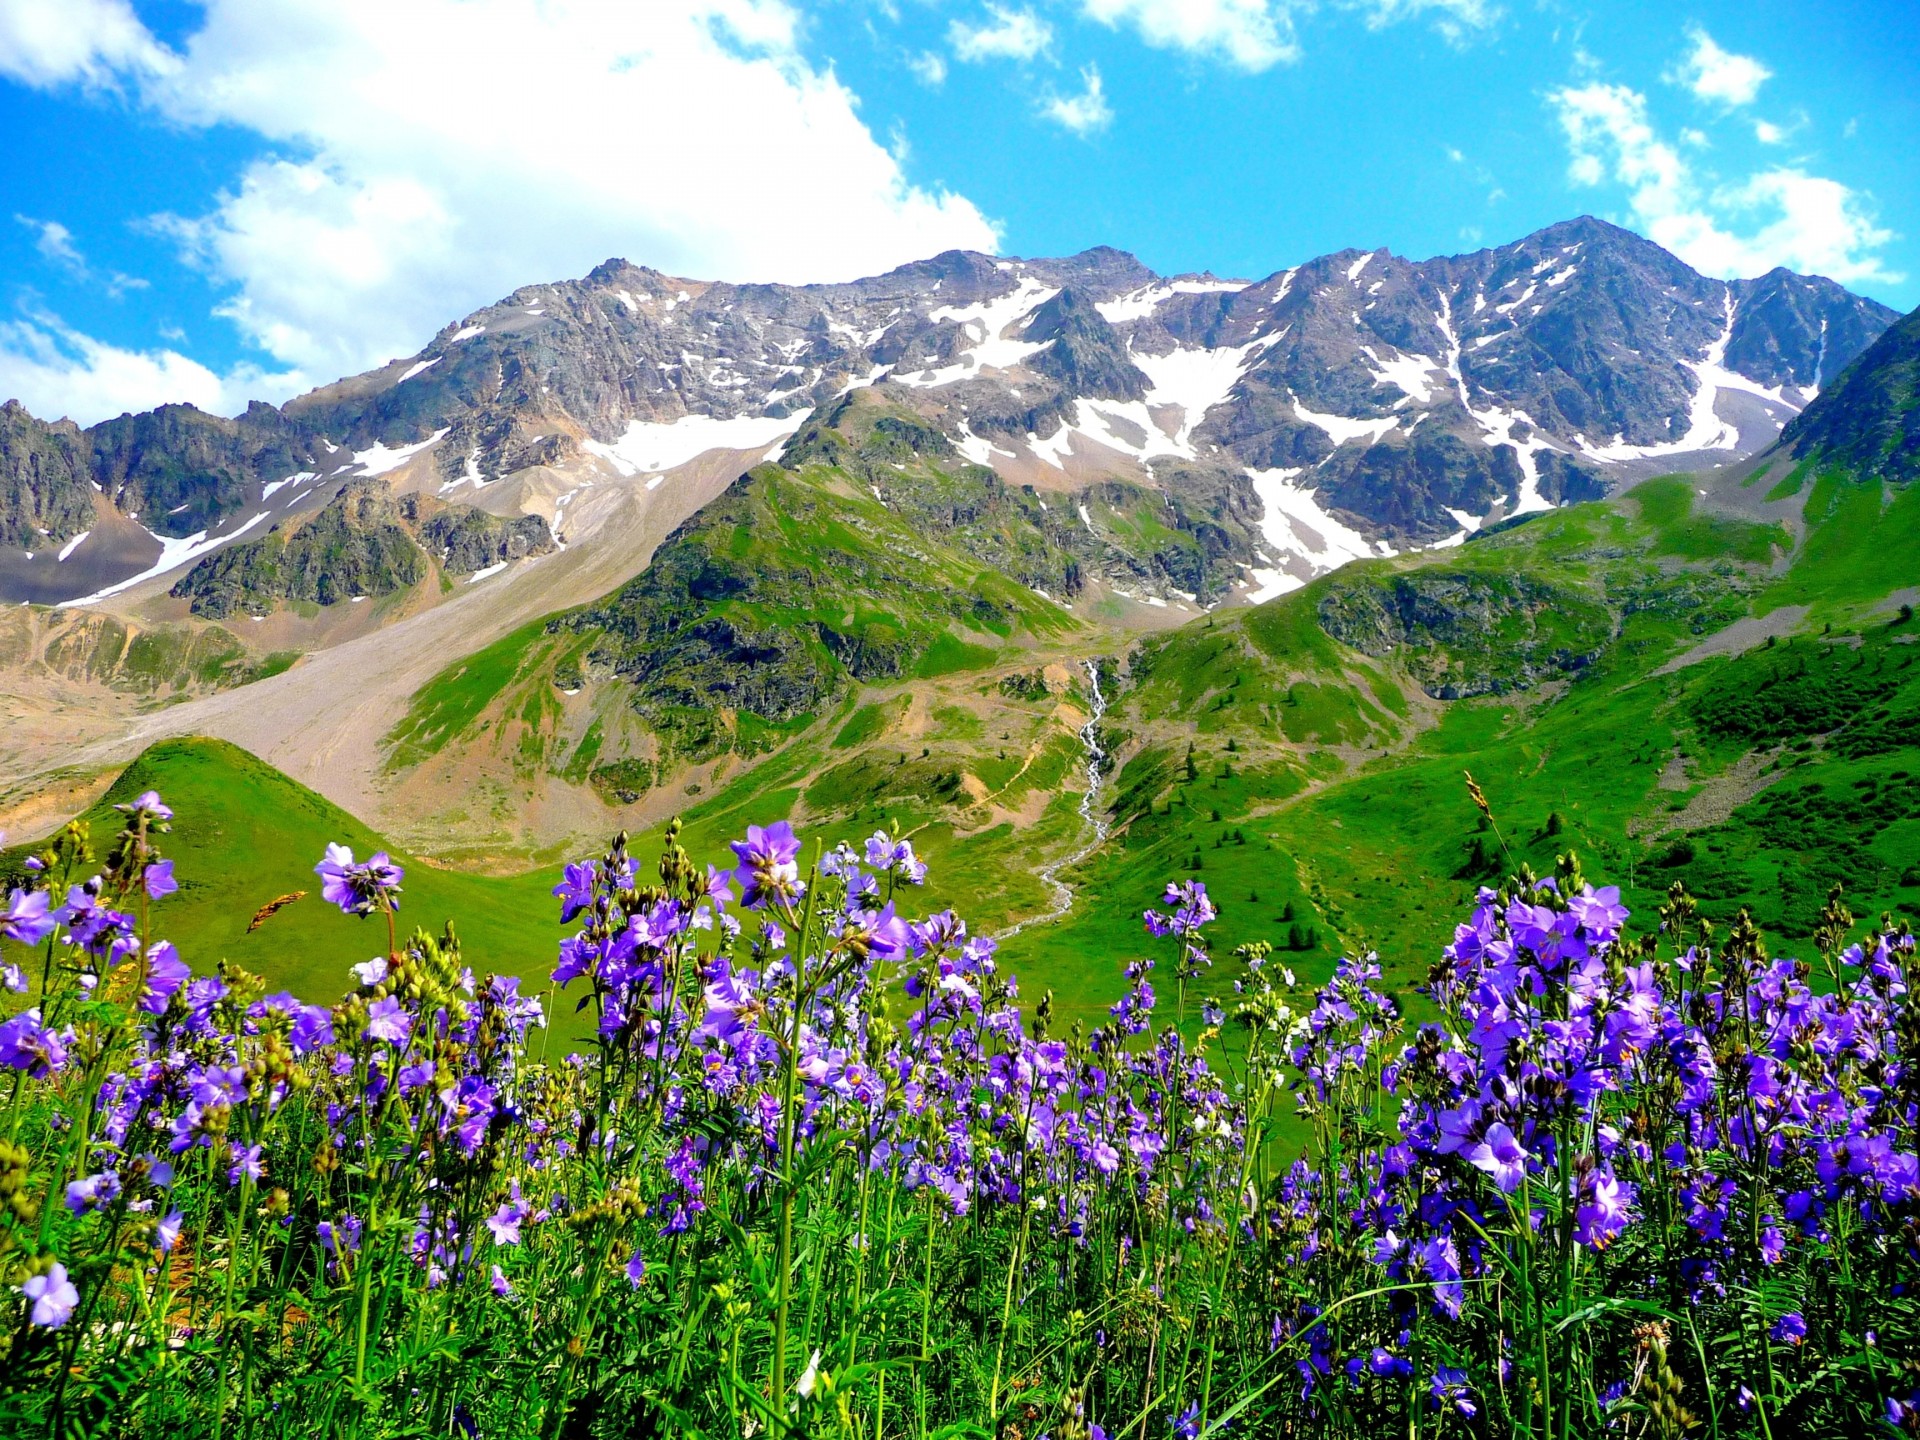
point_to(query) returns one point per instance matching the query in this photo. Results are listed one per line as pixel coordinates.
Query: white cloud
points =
(1780, 216)
(1452, 18)
(56, 371)
(1009, 35)
(54, 42)
(1252, 34)
(1716, 74)
(1767, 133)
(54, 241)
(930, 68)
(419, 176)
(56, 245)
(1083, 113)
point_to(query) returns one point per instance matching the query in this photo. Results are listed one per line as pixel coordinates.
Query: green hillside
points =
(245, 834)
(1304, 758)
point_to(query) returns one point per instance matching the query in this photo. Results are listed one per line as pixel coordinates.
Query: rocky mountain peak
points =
(1358, 401)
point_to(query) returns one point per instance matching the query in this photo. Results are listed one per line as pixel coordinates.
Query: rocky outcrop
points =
(355, 548)
(1463, 633)
(181, 471)
(465, 540)
(366, 543)
(45, 497)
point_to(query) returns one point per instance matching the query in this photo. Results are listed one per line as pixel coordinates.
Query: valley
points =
(1070, 668)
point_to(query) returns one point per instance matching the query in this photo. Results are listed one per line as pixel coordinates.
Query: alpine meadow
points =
(1007, 847)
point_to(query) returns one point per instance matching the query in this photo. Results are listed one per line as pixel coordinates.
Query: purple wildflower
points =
(166, 973)
(248, 1163)
(1502, 1157)
(389, 1022)
(505, 1225)
(158, 878)
(26, 1044)
(27, 921)
(768, 868)
(359, 888)
(53, 1296)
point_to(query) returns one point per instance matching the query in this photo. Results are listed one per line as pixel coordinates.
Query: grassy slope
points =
(244, 834)
(1337, 785)
(1381, 856)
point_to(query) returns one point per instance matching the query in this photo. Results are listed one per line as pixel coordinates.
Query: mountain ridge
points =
(1360, 402)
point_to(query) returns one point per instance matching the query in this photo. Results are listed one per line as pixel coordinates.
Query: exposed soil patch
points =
(1740, 637)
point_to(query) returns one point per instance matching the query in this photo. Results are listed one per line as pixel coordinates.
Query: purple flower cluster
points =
(1593, 1138)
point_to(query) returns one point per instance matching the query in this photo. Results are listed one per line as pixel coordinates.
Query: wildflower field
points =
(822, 1170)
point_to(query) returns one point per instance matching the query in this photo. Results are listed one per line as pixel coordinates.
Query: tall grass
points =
(819, 1174)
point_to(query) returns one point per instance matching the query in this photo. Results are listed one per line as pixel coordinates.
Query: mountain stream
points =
(1090, 816)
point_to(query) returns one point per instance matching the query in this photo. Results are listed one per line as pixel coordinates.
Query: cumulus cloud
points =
(1007, 35)
(1719, 75)
(416, 176)
(1780, 216)
(1250, 34)
(1083, 113)
(44, 43)
(55, 370)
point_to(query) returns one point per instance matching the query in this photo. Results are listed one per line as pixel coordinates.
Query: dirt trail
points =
(322, 721)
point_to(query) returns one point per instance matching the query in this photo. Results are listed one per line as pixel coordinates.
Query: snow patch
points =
(493, 569)
(173, 554)
(378, 460)
(267, 491)
(983, 322)
(648, 445)
(1294, 524)
(1705, 429)
(1409, 374)
(466, 332)
(72, 545)
(417, 367)
(1143, 302)
(1196, 380)
(1353, 270)
(1496, 425)
(1340, 429)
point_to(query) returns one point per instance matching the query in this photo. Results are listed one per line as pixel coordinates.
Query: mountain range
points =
(1356, 404)
(488, 622)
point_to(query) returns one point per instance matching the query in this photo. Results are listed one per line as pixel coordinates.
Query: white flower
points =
(810, 1379)
(371, 972)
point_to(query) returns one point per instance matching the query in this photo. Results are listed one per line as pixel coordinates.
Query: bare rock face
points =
(45, 497)
(1397, 402)
(365, 543)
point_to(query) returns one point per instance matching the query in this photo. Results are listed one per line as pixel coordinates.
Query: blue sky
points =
(232, 199)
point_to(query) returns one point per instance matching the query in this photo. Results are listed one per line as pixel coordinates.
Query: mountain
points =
(1869, 421)
(1706, 680)
(1357, 404)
